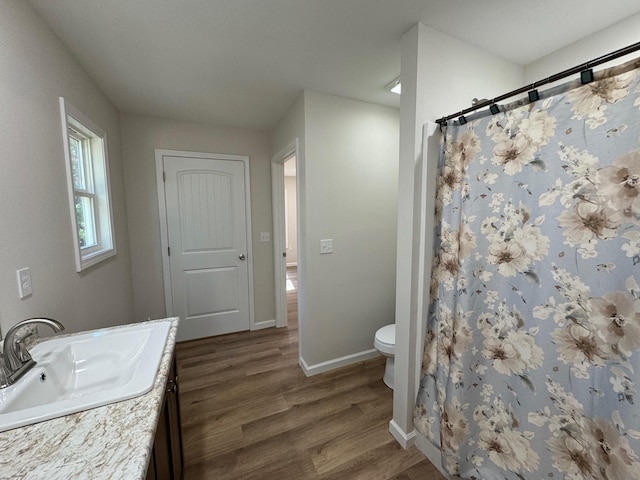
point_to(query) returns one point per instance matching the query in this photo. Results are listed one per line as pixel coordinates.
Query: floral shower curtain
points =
(532, 352)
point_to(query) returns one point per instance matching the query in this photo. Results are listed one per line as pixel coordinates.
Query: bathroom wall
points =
(440, 75)
(141, 135)
(351, 161)
(348, 191)
(35, 223)
(600, 43)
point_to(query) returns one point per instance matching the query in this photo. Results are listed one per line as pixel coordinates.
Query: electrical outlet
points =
(265, 237)
(326, 246)
(24, 282)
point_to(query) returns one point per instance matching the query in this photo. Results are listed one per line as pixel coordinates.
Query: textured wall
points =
(35, 224)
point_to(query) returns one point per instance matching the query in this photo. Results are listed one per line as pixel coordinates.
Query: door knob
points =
(242, 257)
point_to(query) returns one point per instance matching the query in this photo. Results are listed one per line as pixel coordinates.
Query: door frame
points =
(164, 228)
(279, 243)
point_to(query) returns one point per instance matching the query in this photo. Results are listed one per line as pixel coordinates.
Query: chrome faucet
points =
(16, 360)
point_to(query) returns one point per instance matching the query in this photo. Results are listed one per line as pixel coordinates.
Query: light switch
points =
(24, 282)
(265, 237)
(326, 246)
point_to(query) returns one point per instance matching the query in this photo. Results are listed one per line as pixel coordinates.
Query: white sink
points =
(84, 371)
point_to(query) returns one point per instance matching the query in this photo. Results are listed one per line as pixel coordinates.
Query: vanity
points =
(133, 439)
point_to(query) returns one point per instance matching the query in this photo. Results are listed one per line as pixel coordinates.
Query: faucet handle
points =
(21, 349)
(19, 343)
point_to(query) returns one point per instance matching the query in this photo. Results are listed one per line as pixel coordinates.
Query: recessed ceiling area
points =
(242, 63)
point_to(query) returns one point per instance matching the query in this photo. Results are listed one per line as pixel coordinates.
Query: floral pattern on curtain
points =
(532, 352)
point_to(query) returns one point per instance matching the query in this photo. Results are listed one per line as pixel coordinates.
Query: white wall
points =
(141, 135)
(347, 170)
(600, 43)
(351, 162)
(35, 224)
(440, 75)
(290, 127)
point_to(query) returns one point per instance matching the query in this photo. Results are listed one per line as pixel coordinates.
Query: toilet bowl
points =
(385, 343)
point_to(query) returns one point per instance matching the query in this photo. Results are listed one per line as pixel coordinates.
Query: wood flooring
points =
(249, 412)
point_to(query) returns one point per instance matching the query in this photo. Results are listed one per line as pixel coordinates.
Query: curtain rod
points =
(586, 78)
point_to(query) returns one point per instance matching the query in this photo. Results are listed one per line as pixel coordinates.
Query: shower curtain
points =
(532, 352)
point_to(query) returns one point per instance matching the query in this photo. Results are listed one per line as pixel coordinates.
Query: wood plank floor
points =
(249, 412)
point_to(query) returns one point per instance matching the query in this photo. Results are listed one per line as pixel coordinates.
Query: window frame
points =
(96, 185)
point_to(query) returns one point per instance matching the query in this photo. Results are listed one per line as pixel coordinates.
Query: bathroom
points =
(130, 285)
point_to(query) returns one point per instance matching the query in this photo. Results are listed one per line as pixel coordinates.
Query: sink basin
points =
(84, 371)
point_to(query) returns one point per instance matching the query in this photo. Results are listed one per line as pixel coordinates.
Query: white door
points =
(207, 240)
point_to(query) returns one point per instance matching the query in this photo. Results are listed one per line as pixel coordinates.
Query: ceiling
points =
(243, 62)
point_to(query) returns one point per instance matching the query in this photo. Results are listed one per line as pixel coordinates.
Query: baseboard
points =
(263, 324)
(310, 370)
(430, 451)
(292, 264)
(405, 440)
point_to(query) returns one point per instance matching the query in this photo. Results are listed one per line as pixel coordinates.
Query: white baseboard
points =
(310, 370)
(430, 451)
(263, 324)
(405, 440)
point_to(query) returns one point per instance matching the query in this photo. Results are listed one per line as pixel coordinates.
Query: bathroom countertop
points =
(110, 442)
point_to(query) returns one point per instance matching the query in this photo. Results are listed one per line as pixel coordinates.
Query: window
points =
(85, 147)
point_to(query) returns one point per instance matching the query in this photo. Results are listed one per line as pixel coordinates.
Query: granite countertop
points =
(110, 442)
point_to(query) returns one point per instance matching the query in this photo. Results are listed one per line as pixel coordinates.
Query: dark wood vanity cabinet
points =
(166, 458)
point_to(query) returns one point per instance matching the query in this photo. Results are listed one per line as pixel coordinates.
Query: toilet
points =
(385, 343)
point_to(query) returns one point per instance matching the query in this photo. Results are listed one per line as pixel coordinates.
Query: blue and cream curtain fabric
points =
(532, 357)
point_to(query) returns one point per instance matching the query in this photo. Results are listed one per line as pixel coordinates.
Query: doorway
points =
(203, 203)
(287, 258)
(291, 239)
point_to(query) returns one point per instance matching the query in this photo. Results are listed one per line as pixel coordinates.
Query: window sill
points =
(94, 258)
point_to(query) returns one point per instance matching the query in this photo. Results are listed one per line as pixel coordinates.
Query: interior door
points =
(207, 237)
